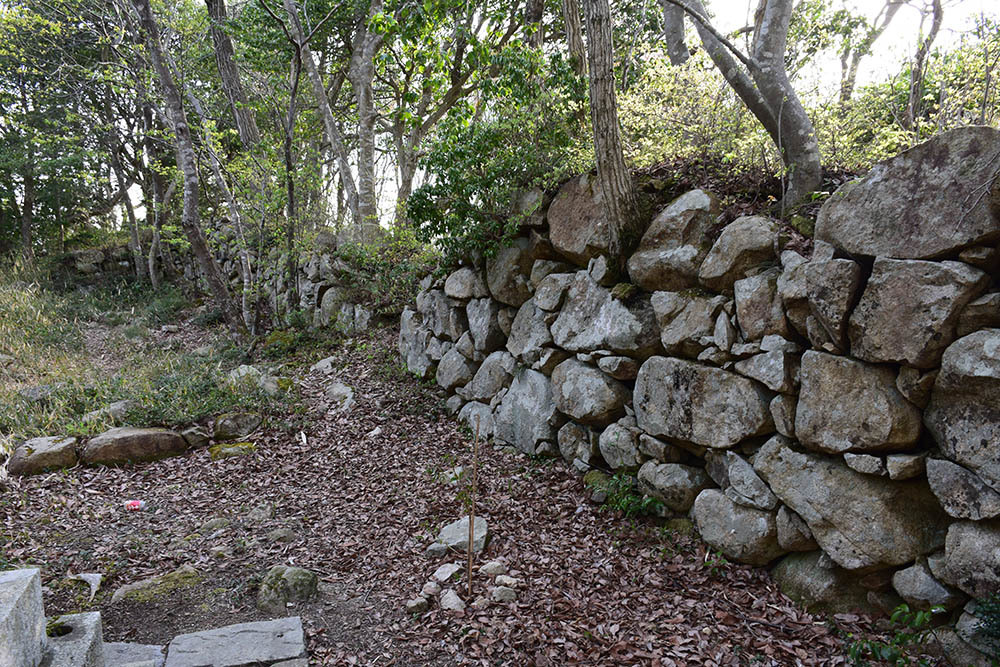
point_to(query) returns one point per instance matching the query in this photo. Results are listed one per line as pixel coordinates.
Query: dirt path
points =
(363, 494)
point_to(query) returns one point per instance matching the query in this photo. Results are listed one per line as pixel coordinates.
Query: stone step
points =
(76, 640)
(260, 643)
(22, 618)
(125, 654)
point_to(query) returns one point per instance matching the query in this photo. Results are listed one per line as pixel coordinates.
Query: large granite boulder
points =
(41, 454)
(673, 484)
(909, 310)
(588, 395)
(577, 443)
(846, 405)
(507, 272)
(742, 533)
(816, 583)
(831, 290)
(927, 202)
(484, 324)
(529, 333)
(445, 317)
(413, 340)
(454, 370)
(863, 522)
(776, 370)
(972, 557)
(593, 319)
(687, 320)
(964, 412)
(465, 283)
(962, 493)
(675, 244)
(744, 244)
(129, 445)
(494, 374)
(527, 415)
(759, 309)
(577, 226)
(619, 445)
(710, 407)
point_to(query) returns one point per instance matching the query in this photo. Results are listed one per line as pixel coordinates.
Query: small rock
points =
(430, 589)
(481, 602)
(866, 463)
(456, 536)
(40, 454)
(231, 449)
(905, 466)
(282, 535)
(236, 425)
(417, 605)
(340, 396)
(493, 568)
(450, 601)
(504, 580)
(92, 579)
(283, 584)
(212, 525)
(260, 513)
(170, 328)
(325, 366)
(196, 436)
(447, 572)
(503, 594)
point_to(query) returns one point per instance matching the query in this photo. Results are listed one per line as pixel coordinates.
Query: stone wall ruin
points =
(837, 415)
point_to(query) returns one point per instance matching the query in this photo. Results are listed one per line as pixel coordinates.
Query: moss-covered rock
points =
(283, 584)
(230, 449)
(159, 586)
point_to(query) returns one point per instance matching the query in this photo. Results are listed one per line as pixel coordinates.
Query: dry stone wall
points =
(837, 415)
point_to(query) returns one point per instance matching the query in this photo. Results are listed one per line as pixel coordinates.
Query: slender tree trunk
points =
(187, 162)
(913, 105)
(291, 263)
(333, 134)
(851, 60)
(533, 12)
(574, 36)
(134, 243)
(27, 209)
(361, 73)
(618, 192)
(246, 124)
(673, 33)
(796, 136)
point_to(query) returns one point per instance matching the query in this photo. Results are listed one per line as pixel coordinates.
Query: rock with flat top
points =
(22, 618)
(898, 209)
(455, 536)
(129, 445)
(40, 454)
(261, 642)
(449, 601)
(744, 244)
(284, 584)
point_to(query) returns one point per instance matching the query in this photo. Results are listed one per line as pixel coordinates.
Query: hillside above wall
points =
(836, 415)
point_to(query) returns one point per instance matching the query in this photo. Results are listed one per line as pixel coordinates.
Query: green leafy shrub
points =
(988, 612)
(623, 496)
(912, 630)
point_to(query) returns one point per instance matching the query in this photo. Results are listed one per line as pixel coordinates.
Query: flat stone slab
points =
(125, 654)
(263, 642)
(22, 618)
(81, 646)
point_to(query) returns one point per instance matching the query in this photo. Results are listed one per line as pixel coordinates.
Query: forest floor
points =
(357, 498)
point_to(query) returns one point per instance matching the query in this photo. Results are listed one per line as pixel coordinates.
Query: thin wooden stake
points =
(472, 504)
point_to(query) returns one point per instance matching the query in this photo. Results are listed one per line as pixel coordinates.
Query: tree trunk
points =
(28, 208)
(330, 127)
(134, 243)
(618, 192)
(913, 105)
(796, 136)
(762, 83)
(851, 60)
(533, 13)
(673, 33)
(291, 265)
(361, 73)
(187, 162)
(574, 37)
(246, 125)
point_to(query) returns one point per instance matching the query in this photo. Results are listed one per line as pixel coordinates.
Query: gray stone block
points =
(242, 644)
(22, 618)
(124, 654)
(81, 646)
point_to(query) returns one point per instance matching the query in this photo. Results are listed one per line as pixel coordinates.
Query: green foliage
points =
(477, 166)
(912, 630)
(988, 613)
(623, 496)
(389, 270)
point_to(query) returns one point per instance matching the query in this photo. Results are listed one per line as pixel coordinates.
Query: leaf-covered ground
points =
(362, 495)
